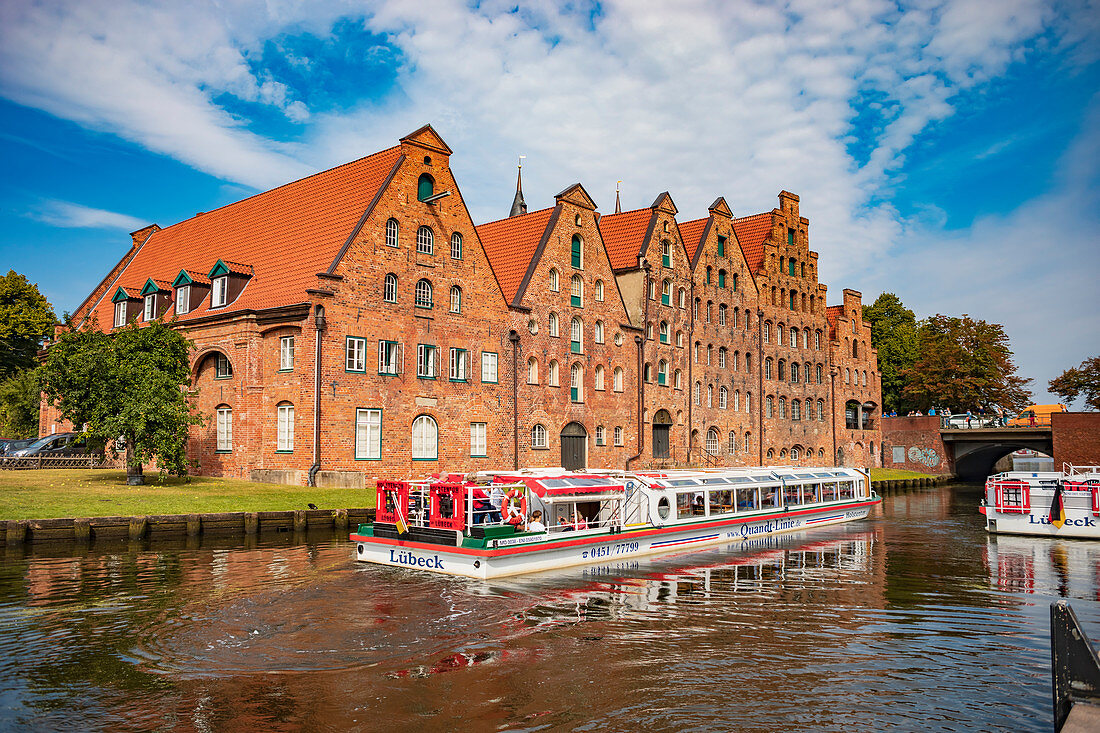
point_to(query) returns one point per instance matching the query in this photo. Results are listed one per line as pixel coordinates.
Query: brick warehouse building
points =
(357, 323)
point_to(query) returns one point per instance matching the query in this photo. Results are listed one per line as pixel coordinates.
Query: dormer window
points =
(183, 299)
(150, 306)
(219, 289)
(120, 314)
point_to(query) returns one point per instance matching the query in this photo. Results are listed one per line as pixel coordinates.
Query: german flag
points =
(1057, 508)
(402, 525)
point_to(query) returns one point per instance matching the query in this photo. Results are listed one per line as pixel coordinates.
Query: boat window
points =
(828, 491)
(746, 500)
(846, 490)
(662, 507)
(589, 482)
(682, 482)
(809, 493)
(555, 483)
(688, 504)
(769, 497)
(790, 496)
(721, 502)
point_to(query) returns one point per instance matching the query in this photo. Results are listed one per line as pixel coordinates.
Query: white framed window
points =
(680, 339)
(796, 410)
(600, 435)
(423, 294)
(721, 357)
(425, 439)
(479, 440)
(456, 299)
(576, 383)
(427, 361)
(389, 288)
(723, 397)
(120, 313)
(368, 434)
(389, 357)
(355, 354)
(576, 334)
(698, 394)
(458, 365)
(598, 378)
(817, 340)
(456, 246)
(286, 353)
(285, 428)
(712, 442)
(710, 395)
(224, 429)
(794, 338)
(552, 373)
(489, 362)
(553, 280)
(150, 306)
(532, 371)
(678, 379)
(391, 233)
(722, 314)
(425, 241)
(576, 291)
(649, 331)
(539, 437)
(617, 379)
(599, 290)
(767, 333)
(664, 332)
(597, 332)
(218, 291)
(618, 435)
(552, 325)
(731, 445)
(183, 300)
(682, 298)
(223, 368)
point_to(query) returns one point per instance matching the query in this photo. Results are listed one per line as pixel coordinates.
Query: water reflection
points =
(912, 620)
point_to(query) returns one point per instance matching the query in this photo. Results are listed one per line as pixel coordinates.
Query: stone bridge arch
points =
(975, 460)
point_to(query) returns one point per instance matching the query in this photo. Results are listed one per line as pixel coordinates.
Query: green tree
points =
(894, 334)
(129, 384)
(26, 318)
(20, 397)
(1082, 380)
(964, 364)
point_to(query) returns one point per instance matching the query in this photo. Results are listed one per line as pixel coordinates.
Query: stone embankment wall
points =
(1076, 438)
(914, 444)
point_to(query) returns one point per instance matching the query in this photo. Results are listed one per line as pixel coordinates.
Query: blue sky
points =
(945, 150)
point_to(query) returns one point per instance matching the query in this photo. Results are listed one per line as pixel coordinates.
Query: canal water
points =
(912, 620)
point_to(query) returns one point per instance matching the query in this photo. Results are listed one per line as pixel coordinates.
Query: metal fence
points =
(9, 463)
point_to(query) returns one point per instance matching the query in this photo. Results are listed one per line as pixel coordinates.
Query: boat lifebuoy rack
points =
(514, 508)
(386, 511)
(447, 506)
(1013, 497)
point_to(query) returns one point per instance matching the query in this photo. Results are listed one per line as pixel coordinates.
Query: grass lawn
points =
(889, 474)
(51, 493)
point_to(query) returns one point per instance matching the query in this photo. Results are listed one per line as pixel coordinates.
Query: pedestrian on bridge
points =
(969, 416)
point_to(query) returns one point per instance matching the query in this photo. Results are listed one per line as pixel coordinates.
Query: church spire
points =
(519, 206)
(618, 206)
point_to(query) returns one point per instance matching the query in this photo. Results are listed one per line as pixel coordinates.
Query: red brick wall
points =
(856, 379)
(922, 447)
(1076, 438)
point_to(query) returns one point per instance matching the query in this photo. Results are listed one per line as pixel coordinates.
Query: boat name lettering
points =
(747, 530)
(407, 558)
(512, 541)
(619, 548)
(1083, 522)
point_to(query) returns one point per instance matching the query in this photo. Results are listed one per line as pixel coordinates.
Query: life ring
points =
(515, 506)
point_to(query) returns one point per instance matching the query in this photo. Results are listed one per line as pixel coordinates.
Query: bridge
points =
(923, 444)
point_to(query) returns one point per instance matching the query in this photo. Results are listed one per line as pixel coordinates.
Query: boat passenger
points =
(565, 524)
(578, 522)
(482, 508)
(496, 501)
(535, 524)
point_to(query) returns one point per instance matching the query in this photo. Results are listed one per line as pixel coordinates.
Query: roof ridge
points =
(517, 218)
(624, 213)
(751, 216)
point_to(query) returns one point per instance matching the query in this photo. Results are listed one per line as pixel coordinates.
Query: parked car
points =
(1035, 414)
(58, 445)
(958, 422)
(8, 445)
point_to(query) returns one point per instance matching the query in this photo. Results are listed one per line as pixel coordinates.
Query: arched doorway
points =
(662, 427)
(574, 446)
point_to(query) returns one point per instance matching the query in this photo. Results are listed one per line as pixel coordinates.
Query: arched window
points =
(698, 395)
(617, 379)
(666, 292)
(456, 299)
(722, 314)
(767, 332)
(748, 402)
(601, 435)
(666, 253)
(678, 379)
(284, 427)
(771, 453)
(847, 376)
(598, 377)
(576, 252)
(748, 362)
(662, 372)
(552, 325)
(576, 334)
(806, 373)
(391, 232)
(735, 281)
(223, 368)
(576, 383)
(389, 288)
(796, 410)
(647, 372)
(532, 371)
(425, 241)
(794, 453)
(747, 443)
(819, 372)
(710, 395)
(456, 246)
(782, 408)
(652, 290)
(794, 372)
(779, 333)
(423, 294)
(767, 368)
(552, 373)
(682, 298)
(712, 441)
(425, 439)
(597, 332)
(731, 445)
(425, 187)
(817, 340)
(539, 437)
(664, 332)
(794, 337)
(721, 278)
(721, 357)
(855, 349)
(781, 370)
(723, 397)
(709, 271)
(649, 331)
(224, 429)
(618, 435)
(680, 339)
(821, 410)
(553, 280)
(576, 294)
(806, 338)
(710, 354)
(599, 291)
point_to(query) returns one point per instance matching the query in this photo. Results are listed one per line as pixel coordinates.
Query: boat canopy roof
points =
(565, 484)
(745, 476)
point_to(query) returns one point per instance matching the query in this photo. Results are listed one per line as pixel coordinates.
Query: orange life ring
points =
(515, 506)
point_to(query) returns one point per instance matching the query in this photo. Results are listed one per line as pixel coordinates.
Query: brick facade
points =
(337, 267)
(1076, 438)
(916, 444)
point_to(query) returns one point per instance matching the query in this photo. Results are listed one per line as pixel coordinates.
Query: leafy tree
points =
(964, 364)
(26, 318)
(129, 384)
(20, 397)
(894, 334)
(1081, 380)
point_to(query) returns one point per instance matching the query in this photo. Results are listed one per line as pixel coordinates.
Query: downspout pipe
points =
(319, 323)
(513, 336)
(640, 342)
(691, 365)
(760, 379)
(832, 406)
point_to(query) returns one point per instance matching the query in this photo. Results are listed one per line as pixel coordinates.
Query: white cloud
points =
(74, 216)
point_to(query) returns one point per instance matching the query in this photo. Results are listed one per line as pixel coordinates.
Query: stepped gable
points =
(512, 247)
(624, 236)
(751, 232)
(693, 233)
(284, 237)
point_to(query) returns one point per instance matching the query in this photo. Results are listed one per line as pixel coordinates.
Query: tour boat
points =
(485, 525)
(1047, 503)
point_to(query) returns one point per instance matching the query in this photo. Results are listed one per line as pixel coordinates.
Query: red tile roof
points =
(623, 236)
(751, 232)
(832, 313)
(287, 235)
(511, 244)
(692, 234)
